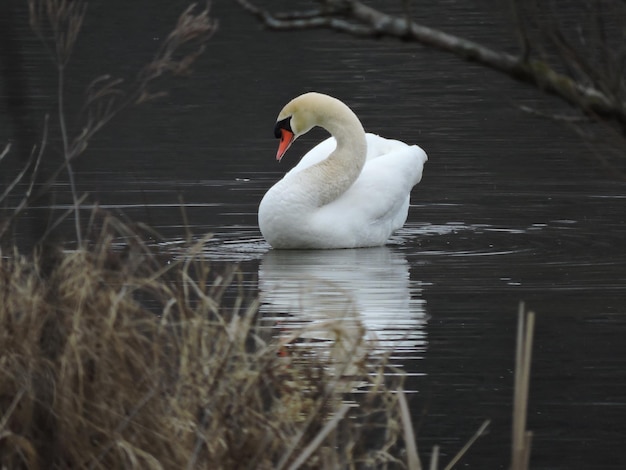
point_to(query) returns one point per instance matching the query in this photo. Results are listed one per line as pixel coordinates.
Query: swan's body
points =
(352, 190)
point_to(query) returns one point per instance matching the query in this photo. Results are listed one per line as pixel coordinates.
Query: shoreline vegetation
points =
(116, 354)
(122, 357)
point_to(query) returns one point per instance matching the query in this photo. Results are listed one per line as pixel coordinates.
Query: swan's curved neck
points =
(333, 176)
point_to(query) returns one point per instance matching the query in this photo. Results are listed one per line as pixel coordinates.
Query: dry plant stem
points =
(468, 444)
(7, 415)
(5, 151)
(521, 438)
(434, 459)
(28, 454)
(315, 443)
(67, 156)
(23, 204)
(124, 422)
(296, 441)
(65, 19)
(413, 461)
(61, 218)
(17, 179)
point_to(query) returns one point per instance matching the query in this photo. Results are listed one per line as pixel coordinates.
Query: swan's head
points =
(302, 114)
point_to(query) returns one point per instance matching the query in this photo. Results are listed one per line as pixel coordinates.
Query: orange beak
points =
(286, 138)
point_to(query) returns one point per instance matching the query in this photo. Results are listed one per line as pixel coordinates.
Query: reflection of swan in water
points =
(369, 287)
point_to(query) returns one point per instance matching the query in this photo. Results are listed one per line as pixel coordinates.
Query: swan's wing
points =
(386, 181)
(379, 198)
(315, 155)
(376, 146)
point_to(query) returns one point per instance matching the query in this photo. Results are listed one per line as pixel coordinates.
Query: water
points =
(511, 207)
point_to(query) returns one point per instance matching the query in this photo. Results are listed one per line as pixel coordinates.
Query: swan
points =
(350, 191)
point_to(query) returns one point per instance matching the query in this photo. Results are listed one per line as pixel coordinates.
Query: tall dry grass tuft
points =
(119, 358)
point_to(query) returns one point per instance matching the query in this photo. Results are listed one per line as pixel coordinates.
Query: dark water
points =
(511, 207)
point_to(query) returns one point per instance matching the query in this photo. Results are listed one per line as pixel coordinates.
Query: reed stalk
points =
(522, 439)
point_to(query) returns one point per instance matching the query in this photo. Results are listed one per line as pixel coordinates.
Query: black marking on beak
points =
(282, 124)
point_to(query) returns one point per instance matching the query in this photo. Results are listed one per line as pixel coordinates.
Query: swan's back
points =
(376, 146)
(374, 206)
(377, 204)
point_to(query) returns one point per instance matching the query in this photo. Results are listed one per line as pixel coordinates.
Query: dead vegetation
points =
(117, 359)
(120, 356)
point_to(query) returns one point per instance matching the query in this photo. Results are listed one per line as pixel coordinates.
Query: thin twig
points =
(434, 459)
(60, 219)
(315, 443)
(467, 445)
(28, 194)
(67, 154)
(124, 423)
(413, 460)
(5, 151)
(17, 178)
(9, 411)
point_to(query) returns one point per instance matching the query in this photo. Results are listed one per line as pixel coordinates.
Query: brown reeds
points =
(118, 358)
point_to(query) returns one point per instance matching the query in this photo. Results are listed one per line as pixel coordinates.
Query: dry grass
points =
(118, 358)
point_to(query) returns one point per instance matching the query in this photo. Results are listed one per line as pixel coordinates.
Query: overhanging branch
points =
(355, 18)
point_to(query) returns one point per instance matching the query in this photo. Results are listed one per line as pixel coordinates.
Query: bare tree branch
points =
(355, 18)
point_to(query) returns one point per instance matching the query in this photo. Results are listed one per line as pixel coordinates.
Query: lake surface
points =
(511, 207)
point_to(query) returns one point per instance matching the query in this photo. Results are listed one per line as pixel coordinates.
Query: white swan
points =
(352, 190)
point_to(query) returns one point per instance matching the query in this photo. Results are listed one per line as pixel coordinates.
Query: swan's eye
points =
(282, 124)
